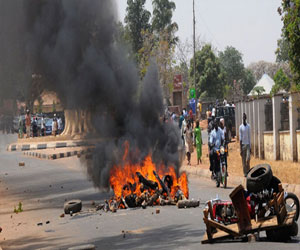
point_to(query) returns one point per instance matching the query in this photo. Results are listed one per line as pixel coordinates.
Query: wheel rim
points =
(290, 204)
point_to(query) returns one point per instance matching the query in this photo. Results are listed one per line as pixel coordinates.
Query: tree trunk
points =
(78, 123)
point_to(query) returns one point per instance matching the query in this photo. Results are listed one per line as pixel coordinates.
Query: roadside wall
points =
(298, 144)
(285, 146)
(275, 125)
(268, 145)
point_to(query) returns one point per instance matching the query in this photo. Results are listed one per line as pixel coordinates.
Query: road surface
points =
(42, 186)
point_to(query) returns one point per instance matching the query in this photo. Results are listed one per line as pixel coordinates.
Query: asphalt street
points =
(42, 186)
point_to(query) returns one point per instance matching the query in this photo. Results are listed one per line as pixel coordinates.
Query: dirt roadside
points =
(287, 172)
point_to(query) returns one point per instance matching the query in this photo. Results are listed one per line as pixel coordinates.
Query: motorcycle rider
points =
(215, 141)
(226, 139)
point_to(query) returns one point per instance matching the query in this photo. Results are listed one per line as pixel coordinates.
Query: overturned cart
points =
(274, 219)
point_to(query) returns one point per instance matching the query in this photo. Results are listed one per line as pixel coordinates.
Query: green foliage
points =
(290, 13)
(258, 91)
(19, 209)
(162, 19)
(209, 77)
(137, 20)
(282, 82)
(282, 51)
(248, 81)
(232, 63)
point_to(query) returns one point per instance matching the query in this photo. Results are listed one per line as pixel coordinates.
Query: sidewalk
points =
(27, 145)
(57, 153)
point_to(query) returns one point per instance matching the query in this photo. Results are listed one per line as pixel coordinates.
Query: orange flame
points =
(124, 180)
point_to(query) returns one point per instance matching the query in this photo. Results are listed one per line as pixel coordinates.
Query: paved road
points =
(43, 186)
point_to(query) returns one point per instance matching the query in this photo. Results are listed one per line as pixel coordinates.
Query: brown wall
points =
(285, 146)
(268, 145)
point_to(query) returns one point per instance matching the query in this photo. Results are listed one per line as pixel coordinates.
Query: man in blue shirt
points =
(245, 144)
(215, 141)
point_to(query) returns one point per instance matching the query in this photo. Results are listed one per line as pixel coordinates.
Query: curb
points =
(235, 180)
(50, 145)
(57, 155)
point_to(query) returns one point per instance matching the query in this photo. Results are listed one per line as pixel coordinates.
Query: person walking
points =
(198, 141)
(54, 126)
(245, 144)
(27, 123)
(42, 126)
(188, 135)
(20, 127)
(59, 125)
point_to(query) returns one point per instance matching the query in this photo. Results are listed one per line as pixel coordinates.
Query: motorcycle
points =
(221, 172)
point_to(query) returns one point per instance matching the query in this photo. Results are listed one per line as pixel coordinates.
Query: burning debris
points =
(146, 184)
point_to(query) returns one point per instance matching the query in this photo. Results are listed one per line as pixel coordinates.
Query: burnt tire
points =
(259, 177)
(295, 204)
(73, 206)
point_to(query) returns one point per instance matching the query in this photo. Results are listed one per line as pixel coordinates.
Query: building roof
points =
(266, 82)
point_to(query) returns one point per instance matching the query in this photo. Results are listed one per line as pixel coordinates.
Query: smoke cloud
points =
(72, 44)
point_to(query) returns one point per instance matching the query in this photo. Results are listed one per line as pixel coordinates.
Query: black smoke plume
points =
(72, 44)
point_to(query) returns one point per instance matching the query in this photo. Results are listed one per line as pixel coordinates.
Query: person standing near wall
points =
(245, 144)
(27, 123)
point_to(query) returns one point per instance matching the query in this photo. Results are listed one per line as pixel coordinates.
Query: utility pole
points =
(194, 41)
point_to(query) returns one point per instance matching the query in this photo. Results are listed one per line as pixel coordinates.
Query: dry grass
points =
(287, 172)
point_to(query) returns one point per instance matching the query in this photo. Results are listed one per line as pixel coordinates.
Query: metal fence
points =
(284, 116)
(268, 116)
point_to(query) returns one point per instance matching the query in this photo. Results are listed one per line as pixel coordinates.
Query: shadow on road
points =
(29, 243)
(169, 237)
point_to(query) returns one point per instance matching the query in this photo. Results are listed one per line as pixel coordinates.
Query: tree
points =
(232, 63)
(282, 51)
(258, 91)
(209, 78)
(248, 81)
(290, 13)
(162, 19)
(282, 82)
(137, 20)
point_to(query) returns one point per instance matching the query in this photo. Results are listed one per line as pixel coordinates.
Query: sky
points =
(251, 26)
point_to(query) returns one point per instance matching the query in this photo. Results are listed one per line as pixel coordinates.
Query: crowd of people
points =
(191, 135)
(36, 126)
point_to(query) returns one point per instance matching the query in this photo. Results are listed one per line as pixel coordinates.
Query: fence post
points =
(276, 100)
(293, 115)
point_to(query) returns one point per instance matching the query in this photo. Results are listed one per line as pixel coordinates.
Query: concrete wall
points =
(274, 144)
(268, 146)
(285, 146)
(298, 144)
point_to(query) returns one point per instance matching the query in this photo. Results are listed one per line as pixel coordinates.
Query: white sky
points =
(251, 26)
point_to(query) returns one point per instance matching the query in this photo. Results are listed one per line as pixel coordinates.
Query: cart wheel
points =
(292, 204)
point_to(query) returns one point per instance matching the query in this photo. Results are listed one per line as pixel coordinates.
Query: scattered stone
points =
(62, 187)
(40, 224)
(152, 213)
(6, 173)
(47, 222)
(11, 216)
(157, 211)
(100, 207)
(50, 186)
(62, 216)
(93, 203)
(251, 238)
(0, 229)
